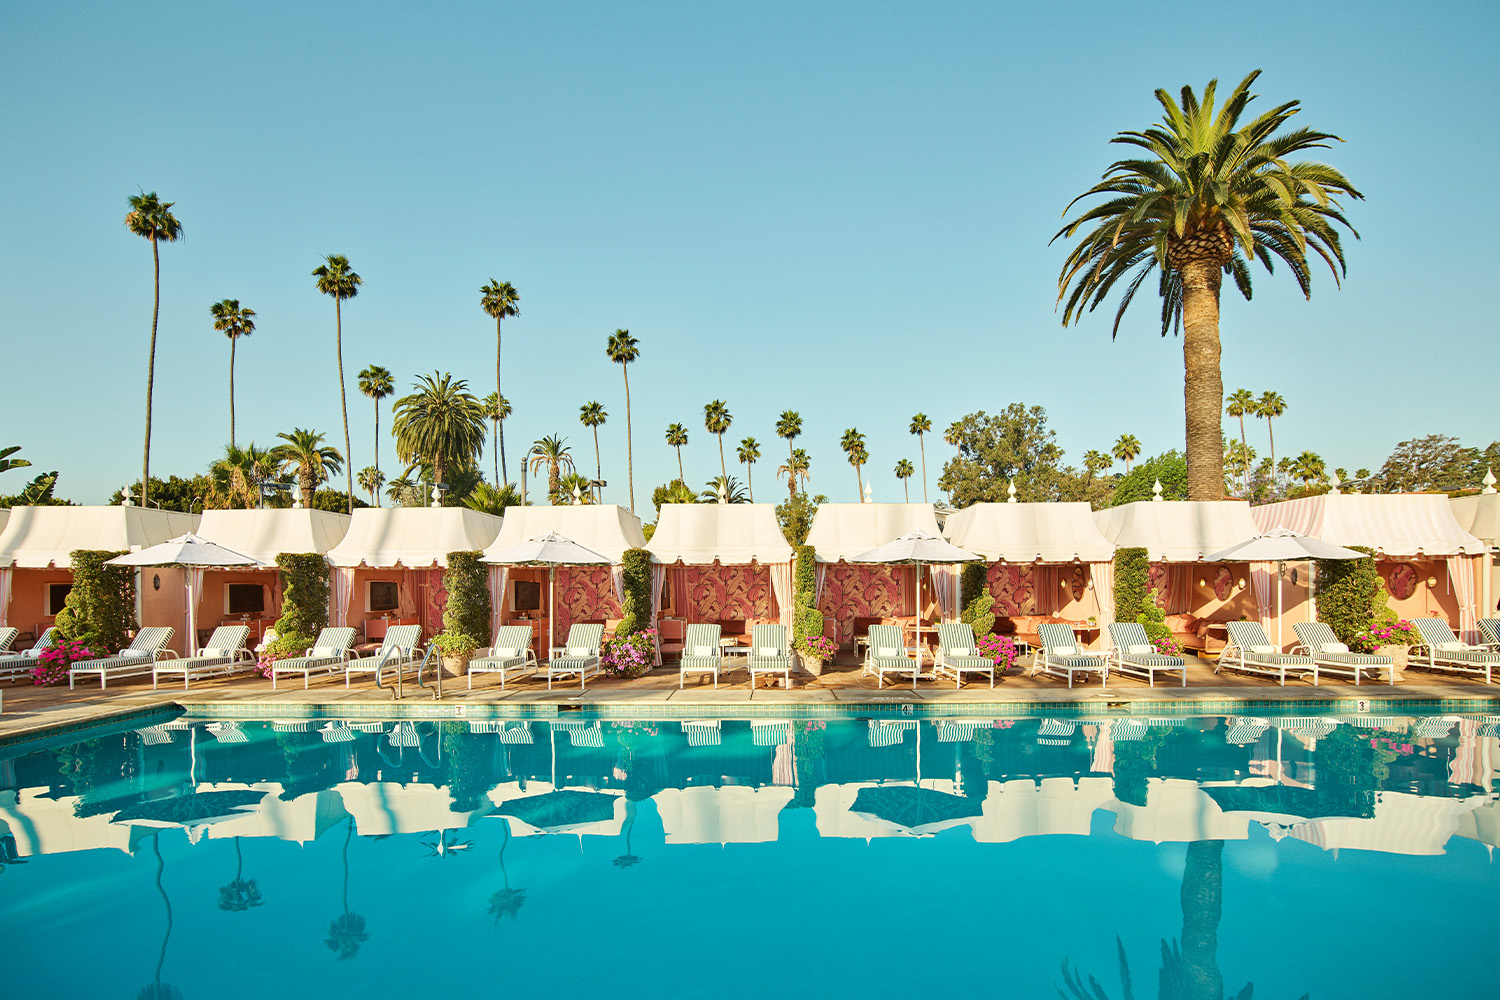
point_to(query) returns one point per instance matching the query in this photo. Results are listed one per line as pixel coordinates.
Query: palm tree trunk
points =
(791, 465)
(495, 447)
(750, 479)
(859, 478)
(338, 318)
(680, 474)
(906, 485)
(1203, 387)
(1272, 434)
(1202, 907)
(151, 367)
(306, 486)
(1245, 455)
(598, 466)
(499, 397)
(231, 391)
(375, 493)
(439, 473)
(723, 469)
(629, 453)
(922, 445)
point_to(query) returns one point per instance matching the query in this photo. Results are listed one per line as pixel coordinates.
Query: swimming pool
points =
(752, 858)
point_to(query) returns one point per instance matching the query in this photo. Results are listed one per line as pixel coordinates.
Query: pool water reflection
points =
(730, 858)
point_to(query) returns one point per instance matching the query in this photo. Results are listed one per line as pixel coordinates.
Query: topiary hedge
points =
(1132, 574)
(1347, 592)
(807, 620)
(467, 612)
(304, 599)
(100, 609)
(1154, 618)
(976, 603)
(637, 603)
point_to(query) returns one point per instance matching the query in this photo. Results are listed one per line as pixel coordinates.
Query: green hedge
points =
(304, 598)
(1132, 574)
(976, 603)
(1154, 617)
(100, 608)
(806, 618)
(1347, 591)
(637, 604)
(467, 612)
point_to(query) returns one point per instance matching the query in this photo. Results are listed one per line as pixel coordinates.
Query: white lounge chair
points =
(769, 654)
(1063, 655)
(509, 654)
(1318, 640)
(398, 651)
(1490, 629)
(1446, 652)
(887, 654)
(1134, 653)
(579, 658)
(7, 637)
(329, 652)
(1250, 651)
(701, 653)
(224, 653)
(959, 654)
(135, 660)
(18, 666)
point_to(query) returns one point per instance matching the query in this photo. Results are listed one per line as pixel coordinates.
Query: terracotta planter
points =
(1398, 655)
(811, 664)
(456, 666)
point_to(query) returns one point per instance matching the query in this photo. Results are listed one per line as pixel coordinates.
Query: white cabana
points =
(841, 531)
(844, 530)
(266, 534)
(382, 808)
(1178, 530)
(738, 537)
(1403, 823)
(1479, 515)
(1026, 807)
(43, 824)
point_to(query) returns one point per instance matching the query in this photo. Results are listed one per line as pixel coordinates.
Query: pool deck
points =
(32, 713)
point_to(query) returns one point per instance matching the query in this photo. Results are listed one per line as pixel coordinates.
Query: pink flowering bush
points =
(816, 647)
(630, 655)
(1167, 646)
(1388, 632)
(52, 664)
(1000, 648)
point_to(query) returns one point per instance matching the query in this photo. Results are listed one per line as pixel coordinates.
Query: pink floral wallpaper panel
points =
(854, 591)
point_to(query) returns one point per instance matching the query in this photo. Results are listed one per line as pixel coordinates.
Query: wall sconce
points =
(1240, 583)
(1294, 578)
(1203, 583)
(156, 581)
(1064, 584)
(1431, 582)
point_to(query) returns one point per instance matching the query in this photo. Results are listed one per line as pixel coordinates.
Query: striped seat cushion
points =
(969, 662)
(1279, 659)
(1152, 660)
(124, 658)
(1355, 659)
(1076, 662)
(889, 662)
(1468, 656)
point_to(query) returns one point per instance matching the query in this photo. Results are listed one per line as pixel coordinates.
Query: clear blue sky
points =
(838, 208)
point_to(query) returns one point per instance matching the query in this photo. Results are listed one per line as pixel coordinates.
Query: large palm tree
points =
(1241, 402)
(313, 461)
(151, 218)
(1210, 193)
(500, 299)
(377, 383)
(593, 415)
(797, 466)
(552, 454)
(789, 426)
(623, 349)
(677, 436)
(853, 444)
(234, 322)
(234, 480)
(370, 480)
(921, 424)
(749, 454)
(338, 280)
(1308, 466)
(1126, 450)
(904, 471)
(1269, 406)
(716, 420)
(440, 424)
(497, 408)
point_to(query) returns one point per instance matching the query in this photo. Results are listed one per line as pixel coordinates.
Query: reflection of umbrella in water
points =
(917, 810)
(190, 811)
(559, 812)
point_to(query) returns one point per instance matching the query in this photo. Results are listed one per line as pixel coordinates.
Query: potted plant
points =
(457, 649)
(630, 655)
(1000, 648)
(1387, 635)
(815, 650)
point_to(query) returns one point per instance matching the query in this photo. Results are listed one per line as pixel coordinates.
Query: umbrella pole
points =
(192, 612)
(551, 609)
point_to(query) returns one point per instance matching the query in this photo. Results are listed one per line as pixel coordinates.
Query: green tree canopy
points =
(1015, 444)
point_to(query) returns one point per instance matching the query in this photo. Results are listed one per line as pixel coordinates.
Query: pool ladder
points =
(432, 656)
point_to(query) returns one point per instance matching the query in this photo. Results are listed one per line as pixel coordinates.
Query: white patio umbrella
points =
(195, 554)
(918, 548)
(551, 550)
(1282, 545)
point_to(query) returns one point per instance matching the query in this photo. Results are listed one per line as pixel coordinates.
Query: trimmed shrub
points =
(304, 600)
(1347, 592)
(637, 603)
(467, 612)
(979, 613)
(973, 579)
(100, 609)
(1154, 617)
(807, 620)
(1132, 573)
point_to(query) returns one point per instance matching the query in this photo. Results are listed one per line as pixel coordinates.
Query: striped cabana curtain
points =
(343, 583)
(5, 583)
(1103, 576)
(781, 587)
(499, 577)
(1260, 581)
(658, 578)
(945, 585)
(1461, 574)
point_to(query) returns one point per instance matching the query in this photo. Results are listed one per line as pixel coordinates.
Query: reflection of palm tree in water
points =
(239, 895)
(159, 990)
(347, 931)
(1191, 972)
(507, 902)
(627, 859)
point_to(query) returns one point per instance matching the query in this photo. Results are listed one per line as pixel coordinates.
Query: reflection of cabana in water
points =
(1178, 537)
(1403, 824)
(847, 591)
(731, 814)
(44, 825)
(388, 569)
(726, 563)
(252, 596)
(381, 808)
(584, 594)
(302, 819)
(543, 808)
(1427, 561)
(1048, 562)
(1023, 807)
(36, 547)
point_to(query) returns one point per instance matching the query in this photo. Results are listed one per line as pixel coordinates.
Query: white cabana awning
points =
(608, 529)
(412, 537)
(1479, 515)
(265, 534)
(844, 530)
(732, 533)
(1030, 532)
(1393, 524)
(1178, 530)
(38, 537)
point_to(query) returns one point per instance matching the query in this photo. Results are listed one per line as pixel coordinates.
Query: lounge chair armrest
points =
(1300, 649)
(164, 654)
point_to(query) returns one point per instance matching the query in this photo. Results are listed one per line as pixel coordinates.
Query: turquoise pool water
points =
(863, 858)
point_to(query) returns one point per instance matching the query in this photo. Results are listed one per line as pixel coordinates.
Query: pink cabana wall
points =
(210, 610)
(28, 598)
(717, 592)
(1058, 589)
(867, 591)
(420, 595)
(584, 594)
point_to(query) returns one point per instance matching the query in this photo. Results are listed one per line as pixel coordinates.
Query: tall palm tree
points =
(552, 454)
(370, 480)
(338, 280)
(1241, 457)
(623, 349)
(797, 466)
(677, 436)
(151, 218)
(789, 426)
(905, 471)
(1209, 193)
(1241, 402)
(347, 931)
(234, 322)
(498, 409)
(853, 444)
(376, 382)
(920, 425)
(305, 454)
(1308, 466)
(1269, 406)
(1126, 450)
(235, 479)
(500, 299)
(749, 454)
(592, 415)
(440, 424)
(716, 420)
(402, 490)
